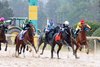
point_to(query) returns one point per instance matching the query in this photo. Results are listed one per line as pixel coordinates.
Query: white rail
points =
(94, 38)
(89, 38)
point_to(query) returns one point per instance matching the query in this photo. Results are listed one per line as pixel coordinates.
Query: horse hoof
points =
(27, 49)
(80, 49)
(19, 52)
(87, 52)
(5, 49)
(51, 57)
(59, 58)
(41, 53)
(77, 57)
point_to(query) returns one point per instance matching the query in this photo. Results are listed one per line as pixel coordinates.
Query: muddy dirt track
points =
(8, 59)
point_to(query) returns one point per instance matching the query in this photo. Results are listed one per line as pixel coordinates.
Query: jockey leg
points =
(23, 33)
(46, 36)
(76, 32)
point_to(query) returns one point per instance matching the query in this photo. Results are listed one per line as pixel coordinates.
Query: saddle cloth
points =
(21, 34)
(57, 37)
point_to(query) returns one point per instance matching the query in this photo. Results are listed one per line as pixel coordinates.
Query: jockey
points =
(25, 28)
(2, 19)
(48, 28)
(79, 25)
(65, 25)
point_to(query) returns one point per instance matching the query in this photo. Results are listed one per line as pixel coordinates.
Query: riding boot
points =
(46, 37)
(22, 36)
(76, 33)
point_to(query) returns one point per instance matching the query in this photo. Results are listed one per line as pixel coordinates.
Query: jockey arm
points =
(26, 27)
(78, 26)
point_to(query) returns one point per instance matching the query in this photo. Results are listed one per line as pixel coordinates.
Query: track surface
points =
(8, 59)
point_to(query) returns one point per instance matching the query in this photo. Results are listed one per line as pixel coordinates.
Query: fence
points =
(94, 38)
(12, 38)
(36, 40)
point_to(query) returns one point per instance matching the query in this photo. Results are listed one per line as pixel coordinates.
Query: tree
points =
(20, 7)
(41, 16)
(73, 10)
(5, 10)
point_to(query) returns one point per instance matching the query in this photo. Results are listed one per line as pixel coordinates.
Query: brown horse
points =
(3, 36)
(28, 38)
(81, 38)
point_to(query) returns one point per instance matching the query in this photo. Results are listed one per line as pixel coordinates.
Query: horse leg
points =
(0, 46)
(60, 46)
(6, 46)
(52, 49)
(87, 47)
(80, 48)
(72, 46)
(17, 50)
(27, 48)
(24, 50)
(20, 49)
(34, 48)
(43, 48)
(77, 46)
(39, 44)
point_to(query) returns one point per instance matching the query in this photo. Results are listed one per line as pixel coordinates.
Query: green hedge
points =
(97, 32)
(94, 26)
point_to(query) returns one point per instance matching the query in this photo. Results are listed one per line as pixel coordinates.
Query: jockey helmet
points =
(82, 21)
(2, 19)
(66, 23)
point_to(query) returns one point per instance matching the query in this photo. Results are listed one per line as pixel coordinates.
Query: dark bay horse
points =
(42, 39)
(3, 36)
(81, 38)
(28, 38)
(62, 37)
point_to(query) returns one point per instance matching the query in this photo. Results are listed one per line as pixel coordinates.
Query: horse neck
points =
(2, 31)
(82, 36)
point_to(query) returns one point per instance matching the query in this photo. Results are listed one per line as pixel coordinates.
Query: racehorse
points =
(28, 38)
(61, 38)
(3, 36)
(81, 38)
(42, 38)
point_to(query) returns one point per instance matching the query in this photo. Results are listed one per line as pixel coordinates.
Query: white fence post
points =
(94, 46)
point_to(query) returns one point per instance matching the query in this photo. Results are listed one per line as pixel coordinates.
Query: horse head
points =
(85, 27)
(31, 30)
